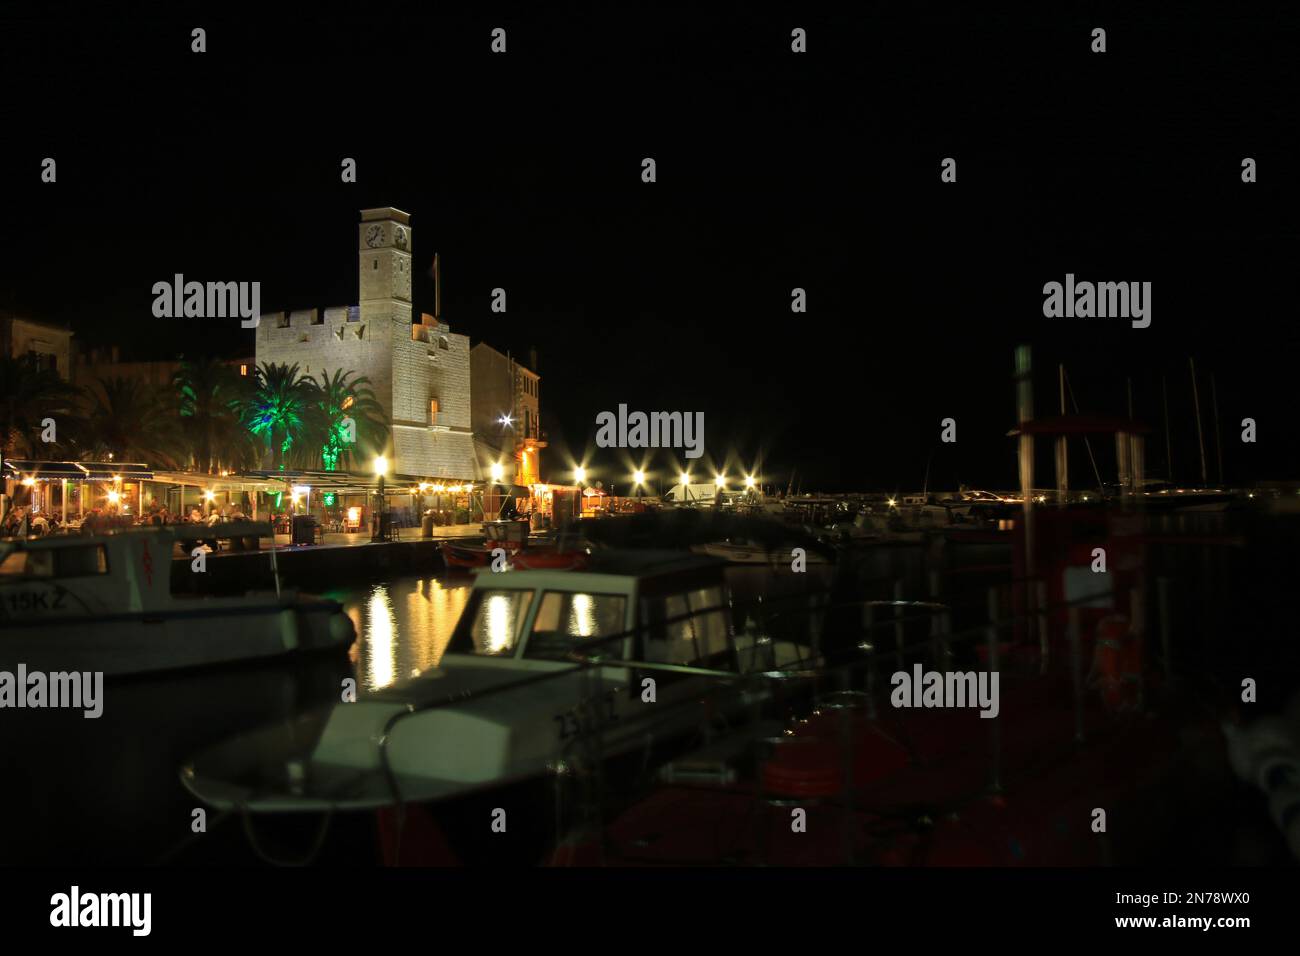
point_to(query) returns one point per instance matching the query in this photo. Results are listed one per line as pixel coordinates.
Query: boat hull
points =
(152, 642)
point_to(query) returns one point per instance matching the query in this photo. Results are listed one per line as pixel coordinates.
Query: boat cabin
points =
(670, 607)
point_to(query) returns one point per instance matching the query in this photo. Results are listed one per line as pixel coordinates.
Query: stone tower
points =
(419, 371)
(384, 270)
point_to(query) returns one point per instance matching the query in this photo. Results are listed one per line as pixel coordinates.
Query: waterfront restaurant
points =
(340, 501)
(44, 486)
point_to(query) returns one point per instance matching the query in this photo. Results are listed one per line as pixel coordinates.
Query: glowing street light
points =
(638, 476)
(580, 474)
(749, 481)
(381, 469)
(684, 479)
(720, 481)
(498, 472)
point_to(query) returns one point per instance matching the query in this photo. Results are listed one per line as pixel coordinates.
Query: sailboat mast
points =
(1200, 432)
(1218, 439)
(1169, 449)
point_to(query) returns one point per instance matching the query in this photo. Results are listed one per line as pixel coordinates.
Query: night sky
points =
(775, 170)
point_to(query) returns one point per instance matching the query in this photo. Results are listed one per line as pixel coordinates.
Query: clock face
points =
(374, 236)
(400, 237)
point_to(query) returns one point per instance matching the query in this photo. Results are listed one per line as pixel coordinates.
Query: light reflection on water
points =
(403, 626)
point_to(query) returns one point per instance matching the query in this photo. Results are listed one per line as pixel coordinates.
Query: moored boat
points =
(539, 665)
(104, 603)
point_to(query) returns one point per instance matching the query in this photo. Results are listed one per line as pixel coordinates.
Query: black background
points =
(775, 170)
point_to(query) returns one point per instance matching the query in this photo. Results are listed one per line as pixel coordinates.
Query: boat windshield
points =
(566, 619)
(491, 623)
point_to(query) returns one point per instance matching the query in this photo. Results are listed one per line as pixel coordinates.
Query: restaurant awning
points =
(18, 469)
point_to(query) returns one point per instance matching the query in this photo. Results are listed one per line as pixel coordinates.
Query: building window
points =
(376, 266)
(243, 370)
(282, 322)
(317, 319)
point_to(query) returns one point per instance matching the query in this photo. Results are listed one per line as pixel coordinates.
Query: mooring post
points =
(1076, 671)
(898, 620)
(936, 625)
(868, 630)
(1162, 591)
(1044, 651)
(1138, 617)
(995, 784)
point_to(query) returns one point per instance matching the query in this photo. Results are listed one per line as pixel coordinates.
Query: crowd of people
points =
(26, 521)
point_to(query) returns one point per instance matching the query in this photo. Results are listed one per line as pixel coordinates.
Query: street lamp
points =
(381, 468)
(638, 477)
(579, 476)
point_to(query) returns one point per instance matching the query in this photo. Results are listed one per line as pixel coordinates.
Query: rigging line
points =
(1086, 442)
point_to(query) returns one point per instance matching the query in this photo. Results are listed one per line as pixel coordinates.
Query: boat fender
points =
(287, 621)
(341, 629)
(1117, 663)
(1267, 755)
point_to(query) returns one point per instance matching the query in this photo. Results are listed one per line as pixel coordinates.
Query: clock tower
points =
(385, 254)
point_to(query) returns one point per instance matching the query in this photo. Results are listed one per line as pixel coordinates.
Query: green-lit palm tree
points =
(135, 422)
(278, 408)
(329, 442)
(29, 395)
(212, 400)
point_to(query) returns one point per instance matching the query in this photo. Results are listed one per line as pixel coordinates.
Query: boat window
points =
(491, 624)
(687, 629)
(709, 617)
(27, 564)
(669, 637)
(79, 562)
(564, 620)
(55, 562)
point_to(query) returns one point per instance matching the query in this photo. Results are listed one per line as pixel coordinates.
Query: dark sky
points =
(774, 171)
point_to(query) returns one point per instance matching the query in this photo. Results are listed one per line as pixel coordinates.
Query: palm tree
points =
(281, 400)
(29, 395)
(212, 399)
(338, 398)
(135, 422)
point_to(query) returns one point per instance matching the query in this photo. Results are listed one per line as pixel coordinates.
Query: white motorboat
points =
(105, 603)
(753, 552)
(539, 664)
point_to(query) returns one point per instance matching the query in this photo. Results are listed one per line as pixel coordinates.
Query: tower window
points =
(282, 321)
(376, 264)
